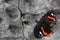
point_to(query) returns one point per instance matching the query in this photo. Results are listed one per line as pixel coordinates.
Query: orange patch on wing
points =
(52, 18)
(43, 31)
(49, 34)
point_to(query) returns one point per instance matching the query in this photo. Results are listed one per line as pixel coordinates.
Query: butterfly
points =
(43, 27)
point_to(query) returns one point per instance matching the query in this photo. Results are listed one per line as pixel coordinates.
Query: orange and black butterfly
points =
(43, 27)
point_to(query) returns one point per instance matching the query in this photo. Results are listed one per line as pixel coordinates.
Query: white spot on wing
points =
(40, 32)
(52, 14)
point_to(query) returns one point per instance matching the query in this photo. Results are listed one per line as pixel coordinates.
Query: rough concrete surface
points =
(15, 12)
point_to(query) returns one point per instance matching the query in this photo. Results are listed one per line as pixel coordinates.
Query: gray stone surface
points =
(33, 10)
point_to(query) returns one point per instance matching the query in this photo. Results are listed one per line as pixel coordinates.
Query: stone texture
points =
(33, 10)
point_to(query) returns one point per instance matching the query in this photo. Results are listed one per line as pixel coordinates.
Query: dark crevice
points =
(1, 19)
(21, 19)
(25, 22)
(19, 8)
